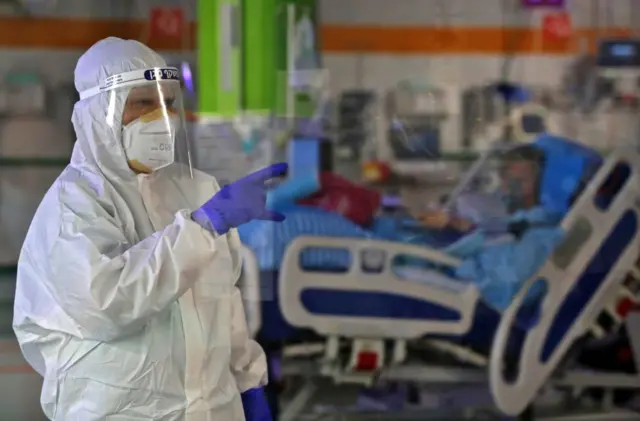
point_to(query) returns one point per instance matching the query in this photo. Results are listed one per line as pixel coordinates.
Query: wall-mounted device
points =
(423, 121)
(618, 60)
(416, 115)
(619, 54)
(542, 3)
(355, 115)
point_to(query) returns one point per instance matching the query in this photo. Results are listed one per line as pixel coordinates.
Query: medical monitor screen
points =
(623, 53)
(415, 143)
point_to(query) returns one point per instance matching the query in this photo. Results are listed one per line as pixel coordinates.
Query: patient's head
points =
(520, 177)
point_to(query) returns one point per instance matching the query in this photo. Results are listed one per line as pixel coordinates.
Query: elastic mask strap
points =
(136, 77)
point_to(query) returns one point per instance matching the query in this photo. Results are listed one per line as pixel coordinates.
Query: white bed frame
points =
(366, 336)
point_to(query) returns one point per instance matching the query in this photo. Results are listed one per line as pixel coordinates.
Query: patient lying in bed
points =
(499, 254)
(539, 183)
(497, 260)
(502, 248)
(519, 187)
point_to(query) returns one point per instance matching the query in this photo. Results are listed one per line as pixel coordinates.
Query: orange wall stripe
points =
(79, 34)
(460, 40)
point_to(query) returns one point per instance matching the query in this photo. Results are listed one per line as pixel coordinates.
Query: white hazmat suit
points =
(124, 305)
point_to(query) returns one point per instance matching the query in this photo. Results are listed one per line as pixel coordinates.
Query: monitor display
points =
(623, 53)
(417, 144)
(623, 50)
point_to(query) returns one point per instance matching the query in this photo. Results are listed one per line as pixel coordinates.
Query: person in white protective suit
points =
(126, 301)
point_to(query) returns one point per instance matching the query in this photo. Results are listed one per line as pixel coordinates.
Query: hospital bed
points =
(363, 326)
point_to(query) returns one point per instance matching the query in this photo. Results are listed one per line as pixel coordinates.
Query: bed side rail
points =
(588, 228)
(295, 280)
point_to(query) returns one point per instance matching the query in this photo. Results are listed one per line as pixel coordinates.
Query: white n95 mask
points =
(149, 141)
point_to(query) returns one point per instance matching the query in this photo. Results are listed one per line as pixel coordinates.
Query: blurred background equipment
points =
(481, 107)
(35, 143)
(423, 121)
(618, 62)
(378, 103)
(416, 119)
(15, 6)
(356, 123)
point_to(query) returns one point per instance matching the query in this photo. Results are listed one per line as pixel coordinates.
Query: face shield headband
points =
(133, 78)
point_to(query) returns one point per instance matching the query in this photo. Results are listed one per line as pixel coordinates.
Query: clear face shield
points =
(496, 185)
(154, 130)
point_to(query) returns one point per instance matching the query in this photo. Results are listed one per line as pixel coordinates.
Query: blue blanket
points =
(269, 240)
(498, 268)
(501, 269)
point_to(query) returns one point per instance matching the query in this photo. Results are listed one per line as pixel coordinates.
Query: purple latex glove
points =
(240, 202)
(255, 405)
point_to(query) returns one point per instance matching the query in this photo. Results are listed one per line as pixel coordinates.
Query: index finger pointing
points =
(275, 170)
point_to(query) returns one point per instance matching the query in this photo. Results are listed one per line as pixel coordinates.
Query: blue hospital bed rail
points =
(584, 277)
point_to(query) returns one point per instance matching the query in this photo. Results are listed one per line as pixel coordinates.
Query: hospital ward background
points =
(462, 200)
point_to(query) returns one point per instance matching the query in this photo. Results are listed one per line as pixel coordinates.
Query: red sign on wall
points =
(557, 26)
(166, 22)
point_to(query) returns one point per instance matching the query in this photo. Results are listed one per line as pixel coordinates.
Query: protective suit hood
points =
(98, 120)
(125, 306)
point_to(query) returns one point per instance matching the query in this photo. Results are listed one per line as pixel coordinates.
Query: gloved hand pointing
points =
(240, 202)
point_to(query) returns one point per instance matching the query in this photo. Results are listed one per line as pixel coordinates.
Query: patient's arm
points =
(461, 224)
(439, 219)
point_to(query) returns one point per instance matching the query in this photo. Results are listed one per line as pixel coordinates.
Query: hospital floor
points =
(20, 396)
(338, 403)
(345, 403)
